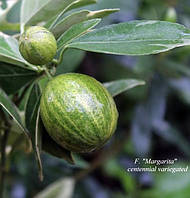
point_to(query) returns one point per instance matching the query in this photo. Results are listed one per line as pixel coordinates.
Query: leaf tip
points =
(116, 9)
(142, 82)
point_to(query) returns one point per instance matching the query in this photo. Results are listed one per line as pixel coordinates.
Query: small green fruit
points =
(78, 112)
(37, 45)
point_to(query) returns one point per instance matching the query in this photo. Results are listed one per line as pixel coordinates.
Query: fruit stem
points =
(47, 73)
(61, 56)
(55, 61)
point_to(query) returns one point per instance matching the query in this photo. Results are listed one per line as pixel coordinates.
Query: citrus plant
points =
(66, 113)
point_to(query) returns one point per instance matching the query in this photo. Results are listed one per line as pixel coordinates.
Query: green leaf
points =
(12, 77)
(119, 86)
(81, 3)
(61, 188)
(43, 82)
(32, 119)
(78, 17)
(35, 11)
(12, 110)
(75, 4)
(76, 31)
(134, 38)
(9, 50)
(32, 109)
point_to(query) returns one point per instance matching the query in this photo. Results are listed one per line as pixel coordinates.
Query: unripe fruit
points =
(78, 112)
(37, 45)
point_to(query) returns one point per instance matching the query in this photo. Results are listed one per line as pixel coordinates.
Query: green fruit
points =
(37, 45)
(78, 112)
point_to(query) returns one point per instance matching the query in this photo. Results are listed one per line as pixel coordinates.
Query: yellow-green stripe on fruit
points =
(37, 45)
(78, 112)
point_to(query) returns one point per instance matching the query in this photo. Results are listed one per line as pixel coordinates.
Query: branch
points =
(3, 141)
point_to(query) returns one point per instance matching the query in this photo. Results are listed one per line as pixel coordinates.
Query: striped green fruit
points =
(78, 112)
(37, 45)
